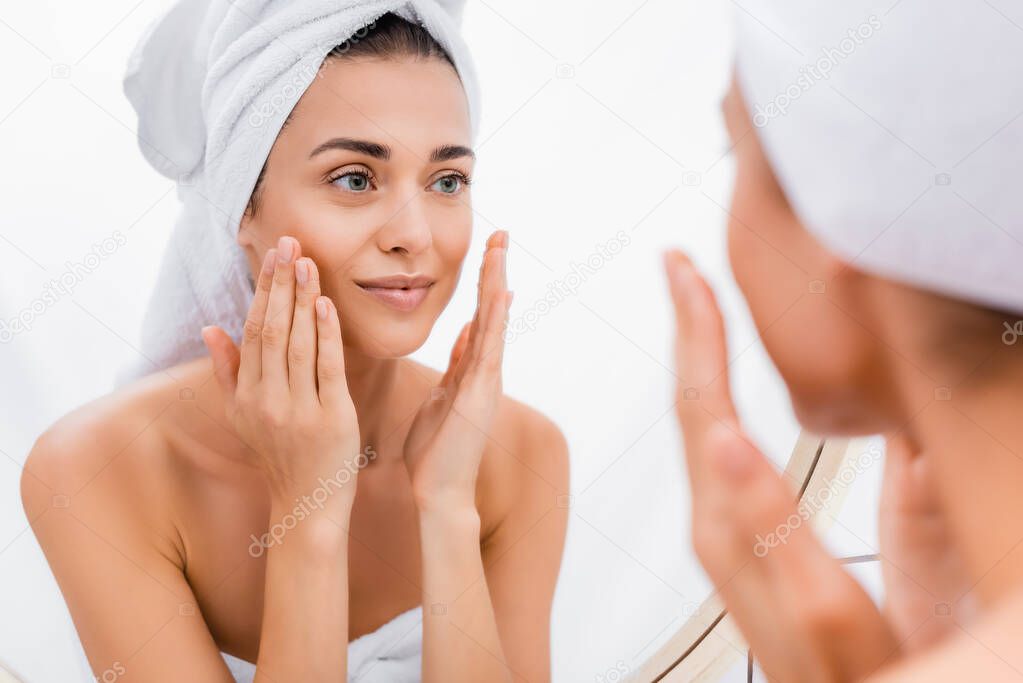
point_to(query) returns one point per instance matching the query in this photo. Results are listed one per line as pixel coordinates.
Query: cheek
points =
(452, 235)
(330, 235)
(811, 342)
(288, 210)
(822, 356)
(763, 258)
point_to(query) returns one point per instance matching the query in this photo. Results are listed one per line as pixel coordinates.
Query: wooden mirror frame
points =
(709, 644)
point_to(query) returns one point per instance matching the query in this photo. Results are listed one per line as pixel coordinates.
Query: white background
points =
(599, 117)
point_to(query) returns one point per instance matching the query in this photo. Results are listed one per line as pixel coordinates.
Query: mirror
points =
(708, 648)
(601, 146)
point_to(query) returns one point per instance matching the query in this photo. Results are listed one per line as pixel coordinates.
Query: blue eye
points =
(449, 184)
(353, 181)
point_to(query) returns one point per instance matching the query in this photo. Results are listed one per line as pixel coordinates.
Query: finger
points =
(302, 344)
(844, 629)
(456, 355)
(226, 358)
(481, 385)
(794, 603)
(702, 396)
(919, 565)
(906, 485)
(701, 349)
(492, 289)
(279, 313)
(498, 238)
(250, 369)
(496, 244)
(330, 359)
(719, 524)
(479, 390)
(493, 242)
(468, 358)
(495, 309)
(493, 343)
(726, 549)
(756, 522)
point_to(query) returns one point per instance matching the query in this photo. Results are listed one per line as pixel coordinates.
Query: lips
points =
(401, 292)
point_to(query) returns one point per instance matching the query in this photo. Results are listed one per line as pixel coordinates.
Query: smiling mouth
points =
(402, 293)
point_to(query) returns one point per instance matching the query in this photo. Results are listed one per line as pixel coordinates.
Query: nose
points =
(407, 232)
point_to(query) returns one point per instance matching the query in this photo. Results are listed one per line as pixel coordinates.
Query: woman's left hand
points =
(446, 441)
(804, 617)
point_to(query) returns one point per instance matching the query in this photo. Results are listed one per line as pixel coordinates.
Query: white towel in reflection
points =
(391, 654)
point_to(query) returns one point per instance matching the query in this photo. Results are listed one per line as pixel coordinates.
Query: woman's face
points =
(370, 176)
(812, 311)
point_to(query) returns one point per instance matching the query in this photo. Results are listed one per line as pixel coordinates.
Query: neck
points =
(371, 383)
(970, 425)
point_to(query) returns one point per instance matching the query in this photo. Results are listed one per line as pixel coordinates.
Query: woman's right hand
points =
(286, 391)
(804, 616)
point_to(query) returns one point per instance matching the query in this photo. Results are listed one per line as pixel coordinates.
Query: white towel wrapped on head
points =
(213, 82)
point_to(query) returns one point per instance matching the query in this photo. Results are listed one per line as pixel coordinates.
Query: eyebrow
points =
(370, 149)
(378, 151)
(449, 152)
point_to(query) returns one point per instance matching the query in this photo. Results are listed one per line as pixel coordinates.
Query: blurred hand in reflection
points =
(446, 441)
(805, 618)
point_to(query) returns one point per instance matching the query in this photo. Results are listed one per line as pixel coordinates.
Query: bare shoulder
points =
(87, 441)
(97, 488)
(524, 475)
(103, 459)
(533, 440)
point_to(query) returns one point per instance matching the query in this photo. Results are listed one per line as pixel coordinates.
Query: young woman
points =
(323, 488)
(887, 342)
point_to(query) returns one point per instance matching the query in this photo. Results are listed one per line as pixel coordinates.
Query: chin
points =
(833, 415)
(384, 339)
(394, 348)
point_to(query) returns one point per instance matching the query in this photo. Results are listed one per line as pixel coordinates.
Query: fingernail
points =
(302, 271)
(285, 250)
(269, 260)
(321, 308)
(676, 268)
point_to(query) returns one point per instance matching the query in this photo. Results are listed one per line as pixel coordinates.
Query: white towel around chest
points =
(391, 654)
